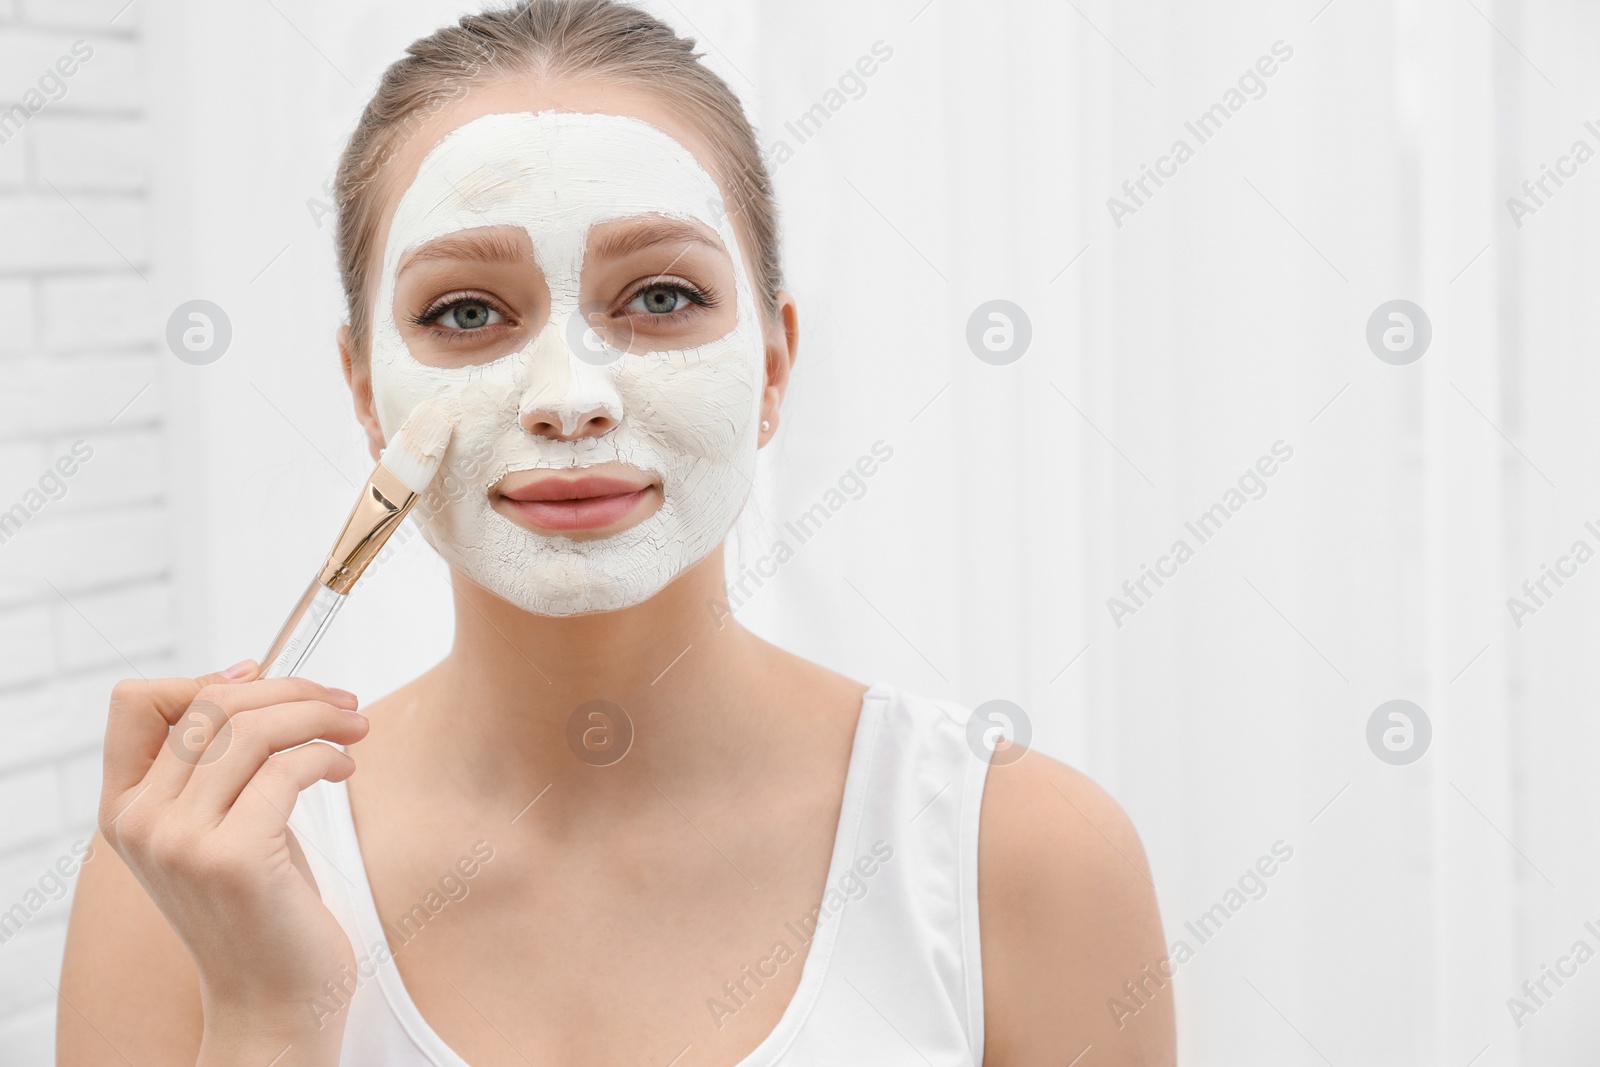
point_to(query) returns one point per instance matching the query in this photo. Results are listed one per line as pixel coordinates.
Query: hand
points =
(197, 794)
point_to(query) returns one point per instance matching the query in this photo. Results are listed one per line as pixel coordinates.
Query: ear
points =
(358, 376)
(783, 345)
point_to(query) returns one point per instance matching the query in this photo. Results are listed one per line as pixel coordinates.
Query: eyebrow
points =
(625, 241)
(490, 246)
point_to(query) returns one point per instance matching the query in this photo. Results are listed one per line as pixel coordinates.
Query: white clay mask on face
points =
(687, 416)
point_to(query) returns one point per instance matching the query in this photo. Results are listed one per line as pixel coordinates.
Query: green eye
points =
(662, 299)
(467, 315)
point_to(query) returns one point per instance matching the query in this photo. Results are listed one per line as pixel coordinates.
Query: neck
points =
(508, 710)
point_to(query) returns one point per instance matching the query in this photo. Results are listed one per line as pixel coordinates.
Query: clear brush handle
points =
(304, 628)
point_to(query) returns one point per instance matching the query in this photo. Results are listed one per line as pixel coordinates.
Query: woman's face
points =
(569, 284)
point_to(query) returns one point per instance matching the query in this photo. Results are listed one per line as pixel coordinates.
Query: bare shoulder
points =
(1067, 914)
(129, 991)
(812, 687)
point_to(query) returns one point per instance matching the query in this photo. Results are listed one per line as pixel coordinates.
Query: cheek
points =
(399, 383)
(485, 415)
(702, 407)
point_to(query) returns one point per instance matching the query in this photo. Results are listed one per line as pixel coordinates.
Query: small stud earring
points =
(765, 425)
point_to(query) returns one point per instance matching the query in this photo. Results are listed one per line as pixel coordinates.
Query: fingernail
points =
(342, 697)
(239, 670)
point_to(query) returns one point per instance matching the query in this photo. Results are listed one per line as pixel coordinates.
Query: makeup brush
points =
(403, 473)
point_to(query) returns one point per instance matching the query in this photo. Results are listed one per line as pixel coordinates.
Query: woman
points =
(612, 825)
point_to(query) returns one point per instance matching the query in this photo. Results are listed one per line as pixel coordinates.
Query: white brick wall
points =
(13, 170)
(79, 340)
(16, 311)
(86, 14)
(65, 393)
(88, 152)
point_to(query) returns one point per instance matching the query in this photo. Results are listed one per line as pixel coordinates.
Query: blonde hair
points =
(601, 39)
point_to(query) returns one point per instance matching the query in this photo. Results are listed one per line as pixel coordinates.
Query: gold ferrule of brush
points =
(382, 505)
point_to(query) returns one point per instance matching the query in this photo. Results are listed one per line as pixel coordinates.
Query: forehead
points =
(551, 172)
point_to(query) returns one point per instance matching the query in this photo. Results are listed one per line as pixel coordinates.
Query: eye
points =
(460, 315)
(469, 315)
(663, 299)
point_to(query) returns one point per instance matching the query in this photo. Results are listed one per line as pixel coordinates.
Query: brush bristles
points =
(417, 450)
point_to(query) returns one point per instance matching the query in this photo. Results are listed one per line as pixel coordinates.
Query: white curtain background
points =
(1226, 313)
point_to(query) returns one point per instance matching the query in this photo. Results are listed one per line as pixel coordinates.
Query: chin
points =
(556, 576)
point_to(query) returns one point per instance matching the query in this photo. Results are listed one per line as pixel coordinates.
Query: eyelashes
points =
(699, 297)
(455, 303)
(451, 305)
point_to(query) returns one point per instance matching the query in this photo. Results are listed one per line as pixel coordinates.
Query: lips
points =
(583, 502)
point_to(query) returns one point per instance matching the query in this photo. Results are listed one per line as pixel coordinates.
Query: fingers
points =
(243, 671)
(249, 739)
(268, 799)
(155, 729)
(141, 713)
(203, 721)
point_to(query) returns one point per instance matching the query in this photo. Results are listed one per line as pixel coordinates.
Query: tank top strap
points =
(905, 980)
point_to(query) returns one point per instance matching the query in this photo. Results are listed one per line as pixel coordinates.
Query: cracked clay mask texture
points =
(686, 415)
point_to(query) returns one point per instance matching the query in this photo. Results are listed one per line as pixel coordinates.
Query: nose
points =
(568, 421)
(566, 398)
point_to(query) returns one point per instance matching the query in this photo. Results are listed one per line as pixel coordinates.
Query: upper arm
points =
(129, 990)
(1068, 915)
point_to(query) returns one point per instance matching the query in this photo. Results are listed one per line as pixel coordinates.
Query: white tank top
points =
(892, 976)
